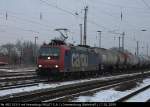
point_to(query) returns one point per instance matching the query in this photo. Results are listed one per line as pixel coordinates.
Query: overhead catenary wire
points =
(118, 5)
(12, 15)
(91, 21)
(72, 13)
(66, 11)
(117, 18)
(83, 2)
(20, 28)
(146, 4)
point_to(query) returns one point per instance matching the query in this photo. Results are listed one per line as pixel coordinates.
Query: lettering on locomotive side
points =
(79, 60)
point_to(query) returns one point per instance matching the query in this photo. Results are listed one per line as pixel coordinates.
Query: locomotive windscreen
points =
(49, 51)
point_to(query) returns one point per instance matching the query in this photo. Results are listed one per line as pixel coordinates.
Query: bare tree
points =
(19, 53)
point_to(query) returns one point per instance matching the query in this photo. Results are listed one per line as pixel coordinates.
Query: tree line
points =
(20, 52)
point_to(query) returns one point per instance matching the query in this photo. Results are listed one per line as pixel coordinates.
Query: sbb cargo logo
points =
(79, 60)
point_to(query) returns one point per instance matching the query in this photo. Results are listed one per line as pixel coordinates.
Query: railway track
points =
(148, 100)
(19, 81)
(15, 79)
(18, 84)
(15, 67)
(133, 94)
(13, 74)
(66, 97)
(54, 93)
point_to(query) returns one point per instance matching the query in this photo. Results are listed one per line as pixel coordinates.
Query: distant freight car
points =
(106, 58)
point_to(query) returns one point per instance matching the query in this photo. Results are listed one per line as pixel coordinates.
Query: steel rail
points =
(125, 98)
(51, 93)
(23, 84)
(62, 99)
(16, 74)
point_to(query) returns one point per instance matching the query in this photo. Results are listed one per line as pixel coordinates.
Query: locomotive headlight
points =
(56, 66)
(40, 66)
(48, 57)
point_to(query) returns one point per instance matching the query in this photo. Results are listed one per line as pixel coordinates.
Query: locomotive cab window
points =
(52, 52)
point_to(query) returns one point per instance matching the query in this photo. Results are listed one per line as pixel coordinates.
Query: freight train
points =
(58, 58)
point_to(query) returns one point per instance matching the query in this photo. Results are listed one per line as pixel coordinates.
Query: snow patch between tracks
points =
(112, 95)
(18, 70)
(54, 85)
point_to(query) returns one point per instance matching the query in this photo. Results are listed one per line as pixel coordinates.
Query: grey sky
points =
(24, 20)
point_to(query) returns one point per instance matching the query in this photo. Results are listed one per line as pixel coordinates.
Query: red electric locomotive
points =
(51, 58)
(60, 59)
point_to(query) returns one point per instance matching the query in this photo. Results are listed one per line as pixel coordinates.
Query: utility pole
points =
(123, 34)
(80, 34)
(21, 54)
(119, 42)
(85, 25)
(147, 49)
(35, 49)
(99, 32)
(137, 48)
(6, 16)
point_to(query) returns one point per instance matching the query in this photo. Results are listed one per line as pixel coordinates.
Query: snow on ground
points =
(142, 97)
(50, 85)
(7, 70)
(18, 70)
(103, 96)
(112, 95)
(26, 69)
(37, 87)
(31, 88)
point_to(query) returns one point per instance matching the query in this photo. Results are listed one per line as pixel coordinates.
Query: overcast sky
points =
(23, 21)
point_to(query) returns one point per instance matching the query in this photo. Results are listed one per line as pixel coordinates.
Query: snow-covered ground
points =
(18, 70)
(53, 85)
(142, 97)
(112, 95)
(37, 87)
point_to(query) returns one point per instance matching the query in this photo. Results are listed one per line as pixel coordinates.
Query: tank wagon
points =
(58, 58)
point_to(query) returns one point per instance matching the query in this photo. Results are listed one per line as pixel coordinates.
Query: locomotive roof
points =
(57, 42)
(99, 48)
(82, 48)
